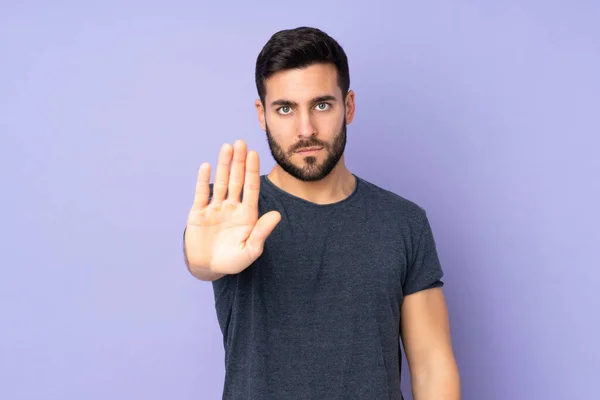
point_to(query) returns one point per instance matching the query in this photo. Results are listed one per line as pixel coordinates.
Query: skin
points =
(292, 119)
(303, 108)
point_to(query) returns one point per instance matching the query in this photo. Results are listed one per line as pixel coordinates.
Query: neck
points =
(335, 187)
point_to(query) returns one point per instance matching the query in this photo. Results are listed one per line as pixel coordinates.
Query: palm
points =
(218, 234)
(225, 234)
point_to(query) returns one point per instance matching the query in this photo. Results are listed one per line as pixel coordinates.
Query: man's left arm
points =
(425, 330)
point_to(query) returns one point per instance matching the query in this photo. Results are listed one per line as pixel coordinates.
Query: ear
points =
(350, 107)
(261, 114)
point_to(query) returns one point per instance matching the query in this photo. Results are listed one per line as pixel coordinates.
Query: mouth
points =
(307, 150)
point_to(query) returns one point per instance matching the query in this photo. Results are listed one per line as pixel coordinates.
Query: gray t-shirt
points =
(317, 316)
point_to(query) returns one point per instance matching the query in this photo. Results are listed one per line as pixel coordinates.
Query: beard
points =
(311, 170)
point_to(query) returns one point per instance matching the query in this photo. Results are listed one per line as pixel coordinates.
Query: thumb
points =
(263, 228)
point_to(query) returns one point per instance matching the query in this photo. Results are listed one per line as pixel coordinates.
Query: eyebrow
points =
(289, 103)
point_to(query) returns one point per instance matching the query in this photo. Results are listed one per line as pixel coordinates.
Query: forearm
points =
(439, 382)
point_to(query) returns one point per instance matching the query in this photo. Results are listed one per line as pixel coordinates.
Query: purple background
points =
(485, 113)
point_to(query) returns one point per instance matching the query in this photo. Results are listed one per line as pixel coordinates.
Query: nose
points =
(306, 128)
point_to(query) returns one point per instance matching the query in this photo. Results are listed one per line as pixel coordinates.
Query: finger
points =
(202, 194)
(252, 180)
(222, 173)
(236, 180)
(261, 231)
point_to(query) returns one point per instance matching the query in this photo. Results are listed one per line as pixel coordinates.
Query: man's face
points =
(305, 119)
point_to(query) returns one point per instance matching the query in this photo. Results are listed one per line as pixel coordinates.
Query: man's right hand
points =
(224, 234)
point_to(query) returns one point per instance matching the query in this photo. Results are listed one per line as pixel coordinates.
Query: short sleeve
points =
(424, 270)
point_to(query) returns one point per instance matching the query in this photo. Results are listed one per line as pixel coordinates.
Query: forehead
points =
(303, 83)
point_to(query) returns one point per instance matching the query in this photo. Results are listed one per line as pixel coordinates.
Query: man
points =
(316, 272)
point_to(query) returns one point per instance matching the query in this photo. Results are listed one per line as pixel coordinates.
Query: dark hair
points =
(298, 48)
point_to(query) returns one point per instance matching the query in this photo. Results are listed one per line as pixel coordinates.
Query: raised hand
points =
(224, 234)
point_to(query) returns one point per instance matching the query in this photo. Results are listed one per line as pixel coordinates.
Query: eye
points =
(323, 106)
(284, 110)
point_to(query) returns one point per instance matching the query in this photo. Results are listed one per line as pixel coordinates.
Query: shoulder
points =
(388, 201)
(395, 211)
